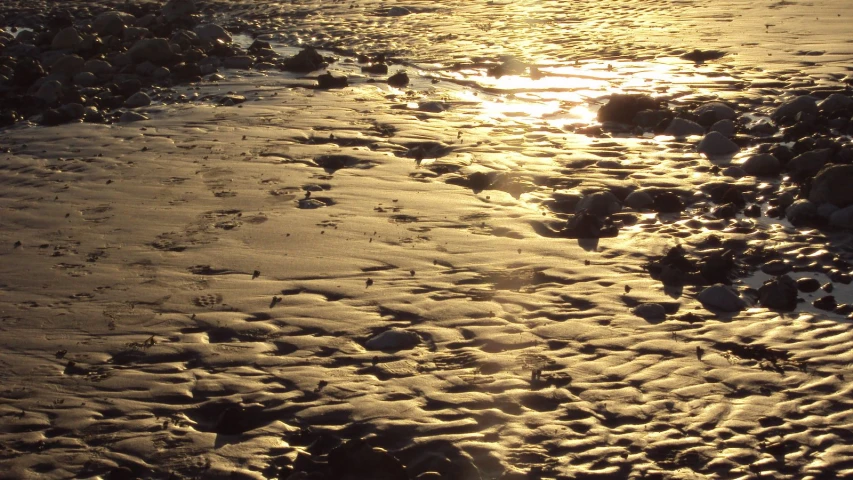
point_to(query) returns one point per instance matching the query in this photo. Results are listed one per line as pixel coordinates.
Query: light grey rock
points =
(725, 126)
(394, 339)
(210, 32)
(639, 200)
(66, 39)
(138, 99)
(722, 298)
(833, 184)
(129, 117)
(716, 144)
(112, 22)
(154, 50)
(599, 203)
(650, 311)
(762, 164)
(790, 108)
(842, 218)
(681, 127)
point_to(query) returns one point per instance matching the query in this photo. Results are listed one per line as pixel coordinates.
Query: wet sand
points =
(206, 293)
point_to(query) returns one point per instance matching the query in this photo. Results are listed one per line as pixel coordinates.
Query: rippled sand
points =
(156, 274)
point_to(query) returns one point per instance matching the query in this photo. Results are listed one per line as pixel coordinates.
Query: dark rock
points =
(357, 459)
(789, 109)
(510, 66)
(808, 284)
(777, 267)
(375, 68)
(779, 293)
(259, 45)
(587, 225)
(399, 80)
(623, 108)
(827, 303)
(154, 50)
(327, 81)
(112, 22)
(762, 164)
(717, 267)
(721, 298)
(702, 56)
(833, 185)
(808, 164)
(752, 211)
(668, 202)
(307, 60)
(27, 71)
(53, 116)
(801, 212)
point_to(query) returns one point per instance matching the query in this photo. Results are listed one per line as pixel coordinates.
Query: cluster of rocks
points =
(99, 69)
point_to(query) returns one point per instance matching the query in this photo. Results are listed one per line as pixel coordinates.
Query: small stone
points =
(327, 81)
(128, 117)
(790, 108)
(681, 127)
(716, 111)
(66, 39)
(832, 185)
(808, 284)
(623, 108)
(762, 164)
(777, 267)
(239, 62)
(842, 218)
(393, 340)
(178, 10)
(801, 212)
(725, 127)
(715, 143)
(49, 92)
(650, 311)
(307, 60)
(779, 293)
(138, 99)
(154, 50)
(67, 65)
(721, 297)
(808, 164)
(112, 22)
(668, 202)
(827, 303)
(639, 200)
(209, 32)
(599, 203)
(399, 80)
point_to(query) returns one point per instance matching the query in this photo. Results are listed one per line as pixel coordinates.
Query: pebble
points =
(128, 117)
(762, 165)
(393, 340)
(721, 297)
(790, 108)
(138, 99)
(650, 311)
(808, 284)
(681, 127)
(842, 218)
(715, 143)
(599, 203)
(639, 200)
(716, 110)
(779, 293)
(832, 185)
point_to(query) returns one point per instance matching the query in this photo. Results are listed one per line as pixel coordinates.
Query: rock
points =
(790, 109)
(398, 11)
(259, 46)
(825, 210)
(808, 164)
(801, 212)
(827, 303)
(356, 459)
(327, 81)
(668, 202)
(239, 62)
(67, 65)
(178, 10)
(138, 99)
(842, 218)
(762, 164)
(587, 225)
(715, 111)
(599, 203)
(50, 92)
(209, 32)
(680, 127)
(779, 293)
(393, 340)
(834, 103)
(307, 60)
(777, 267)
(651, 119)
(112, 22)
(715, 143)
(132, 34)
(702, 56)
(722, 298)
(98, 67)
(51, 117)
(375, 68)
(725, 126)
(154, 50)
(66, 39)
(128, 117)
(85, 79)
(808, 284)
(639, 200)
(399, 80)
(622, 108)
(74, 111)
(832, 185)
(650, 311)
(27, 71)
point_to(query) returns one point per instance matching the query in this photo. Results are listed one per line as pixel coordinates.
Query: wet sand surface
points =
(236, 291)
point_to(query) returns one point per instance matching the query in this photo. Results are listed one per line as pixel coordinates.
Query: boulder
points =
(209, 32)
(239, 62)
(835, 103)
(725, 126)
(67, 65)
(650, 311)
(779, 293)
(154, 50)
(715, 143)
(681, 127)
(138, 99)
(392, 340)
(715, 111)
(622, 108)
(762, 164)
(66, 39)
(178, 10)
(833, 185)
(599, 203)
(808, 164)
(790, 108)
(801, 212)
(49, 92)
(842, 218)
(722, 298)
(639, 200)
(112, 22)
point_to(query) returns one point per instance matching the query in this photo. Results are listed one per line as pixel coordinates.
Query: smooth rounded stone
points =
(49, 92)
(790, 108)
(650, 311)
(154, 50)
(833, 185)
(73, 111)
(599, 203)
(132, 34)
(777, 267)
(779, 293)
(842, 218)
(808, 284)
(399, 80)
(834, 103)
(762, 164)
(239, 62)
(85, 79)
(808, 164)
(715, 143)
(725, 126)
(733, 171)
(160, 73)
(722, 298)
(67, 65)
(801, 212)
(398, 11)
(112, 22)
(138, 99)
(639, 200)
(681, 127)
(98, 67)
(825, 210)
(146, 69)
(210, 32)
(394, 339)
(668, 202)
(128, 117)
(66, 39)
(651, 118)
(716, 111)
(827, 303)
(622, 108)
(176, 10)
